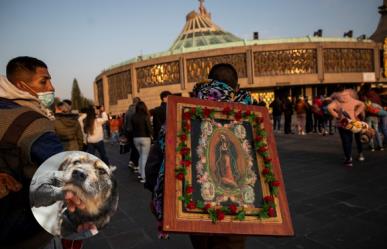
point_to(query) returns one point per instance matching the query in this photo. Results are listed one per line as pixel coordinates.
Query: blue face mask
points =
(46, 98)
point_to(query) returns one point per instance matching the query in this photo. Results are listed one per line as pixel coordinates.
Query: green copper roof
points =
(199, 31)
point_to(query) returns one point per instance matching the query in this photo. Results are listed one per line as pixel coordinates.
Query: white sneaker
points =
(361, 157)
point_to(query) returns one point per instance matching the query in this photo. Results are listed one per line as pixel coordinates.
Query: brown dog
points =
(92, 181)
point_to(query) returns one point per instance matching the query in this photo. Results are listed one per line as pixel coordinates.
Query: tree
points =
(77, 98)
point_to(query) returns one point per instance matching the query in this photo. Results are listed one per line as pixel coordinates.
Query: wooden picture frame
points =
(222, 173)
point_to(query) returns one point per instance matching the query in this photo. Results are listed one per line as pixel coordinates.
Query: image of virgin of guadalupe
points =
(226, 168)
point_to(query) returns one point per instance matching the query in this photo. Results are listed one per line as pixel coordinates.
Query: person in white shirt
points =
(92, 127)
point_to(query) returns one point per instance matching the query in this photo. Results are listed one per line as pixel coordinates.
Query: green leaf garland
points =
(260, 141)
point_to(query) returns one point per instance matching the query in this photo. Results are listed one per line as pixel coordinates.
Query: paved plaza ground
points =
(331, 206)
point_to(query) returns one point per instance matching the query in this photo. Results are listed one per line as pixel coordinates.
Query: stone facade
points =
(260, 66)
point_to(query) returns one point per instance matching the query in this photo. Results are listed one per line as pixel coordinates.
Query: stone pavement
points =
(331, 206)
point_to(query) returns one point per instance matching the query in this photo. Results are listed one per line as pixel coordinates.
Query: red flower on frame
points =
(206, 207)
(186, 115)
(189, 189)
(271, 212)
(248, 113)
(193, 111)
(206, 112)
(267, 159)
(233, 208)
(265, 171)
(219, 214)
(184, 151)
(191, 205)
(268, 198)
(185, 163)
(180, 176)
(258, 120)
(183, 137)
(258, 138)
(262, 149)
(226, 110)
(238, 115)
(186, 126)
(275, 183)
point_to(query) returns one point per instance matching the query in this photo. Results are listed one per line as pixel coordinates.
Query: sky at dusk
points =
(80, 38)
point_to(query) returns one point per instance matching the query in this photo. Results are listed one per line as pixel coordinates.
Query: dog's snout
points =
(79, 175)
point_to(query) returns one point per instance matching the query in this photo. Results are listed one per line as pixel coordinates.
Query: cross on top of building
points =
(202, 9)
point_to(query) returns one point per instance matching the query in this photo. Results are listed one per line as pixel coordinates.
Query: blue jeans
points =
(373, 122)
(115, 135)
(100, 147)
(143, 146)
(346, 140)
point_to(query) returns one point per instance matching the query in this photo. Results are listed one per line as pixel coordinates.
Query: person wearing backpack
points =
(67, 127)
(27, 139)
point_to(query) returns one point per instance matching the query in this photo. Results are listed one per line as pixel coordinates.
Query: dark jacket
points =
(159, 116)
(277, 107)
(69, 131)
(287, 107)
(141, 125)
(128, 118)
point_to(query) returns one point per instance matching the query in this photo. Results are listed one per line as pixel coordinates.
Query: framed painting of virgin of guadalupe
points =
(222, 173)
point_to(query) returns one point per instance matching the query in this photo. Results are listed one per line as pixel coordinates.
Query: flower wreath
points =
(216, 212)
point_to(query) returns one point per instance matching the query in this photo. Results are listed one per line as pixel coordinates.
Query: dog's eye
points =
(102, 171)
(77, 162)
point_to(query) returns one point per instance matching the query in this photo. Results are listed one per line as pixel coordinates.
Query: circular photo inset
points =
(73, 195)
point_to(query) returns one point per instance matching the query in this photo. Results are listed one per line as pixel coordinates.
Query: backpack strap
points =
(17, 127)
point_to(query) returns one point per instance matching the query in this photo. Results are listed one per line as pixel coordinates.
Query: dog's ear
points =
(65, 163)
(112, 168)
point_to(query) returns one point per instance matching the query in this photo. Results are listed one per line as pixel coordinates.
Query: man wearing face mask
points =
(27, 139)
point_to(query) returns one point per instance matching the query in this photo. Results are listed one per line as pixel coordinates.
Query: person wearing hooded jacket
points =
(26, 93)
(68, 128)
(346, 105)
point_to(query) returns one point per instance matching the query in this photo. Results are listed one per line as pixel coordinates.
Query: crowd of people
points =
(26, 94)
(324, 115)
(309, 116)
(141, 130)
